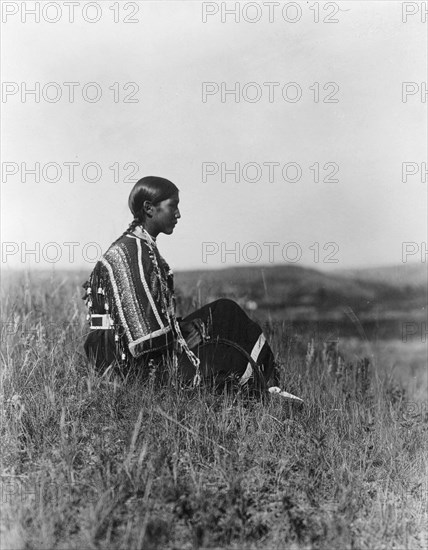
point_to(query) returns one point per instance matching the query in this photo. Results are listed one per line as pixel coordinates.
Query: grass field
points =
(104, 463)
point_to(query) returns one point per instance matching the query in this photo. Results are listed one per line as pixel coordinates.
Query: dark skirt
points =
(235, 352)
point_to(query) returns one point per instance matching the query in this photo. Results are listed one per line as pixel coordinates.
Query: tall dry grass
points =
(101, 462)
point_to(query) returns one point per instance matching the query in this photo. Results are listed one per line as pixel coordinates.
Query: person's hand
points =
(192, 332)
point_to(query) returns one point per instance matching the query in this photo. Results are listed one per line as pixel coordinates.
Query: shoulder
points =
(128, 253)
(124, 246)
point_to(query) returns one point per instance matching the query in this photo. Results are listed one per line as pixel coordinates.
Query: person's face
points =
(166, 215)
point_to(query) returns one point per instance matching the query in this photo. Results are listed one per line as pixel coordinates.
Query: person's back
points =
(126, 298)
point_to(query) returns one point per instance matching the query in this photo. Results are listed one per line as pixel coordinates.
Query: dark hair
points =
(150, 188)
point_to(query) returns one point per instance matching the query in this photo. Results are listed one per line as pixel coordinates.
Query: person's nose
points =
(177, 214)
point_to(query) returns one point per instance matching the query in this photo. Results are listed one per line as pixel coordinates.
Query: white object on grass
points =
(282, 393)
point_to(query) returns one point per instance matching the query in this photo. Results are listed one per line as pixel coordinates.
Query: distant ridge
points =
(396, 275)
(386, 297)
(402, 274)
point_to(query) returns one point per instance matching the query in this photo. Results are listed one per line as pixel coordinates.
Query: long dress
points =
(132, 318)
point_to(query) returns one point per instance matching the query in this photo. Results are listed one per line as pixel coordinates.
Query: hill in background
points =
(398, 275)
(382, 299)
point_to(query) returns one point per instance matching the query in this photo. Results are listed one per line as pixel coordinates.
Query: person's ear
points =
(148, 208)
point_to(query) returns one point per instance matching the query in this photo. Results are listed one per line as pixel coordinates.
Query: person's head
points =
(153, 202)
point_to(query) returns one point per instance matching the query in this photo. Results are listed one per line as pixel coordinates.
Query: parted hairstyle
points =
(150, 188)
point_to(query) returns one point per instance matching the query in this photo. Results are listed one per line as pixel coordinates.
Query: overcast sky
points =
(344, 118)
